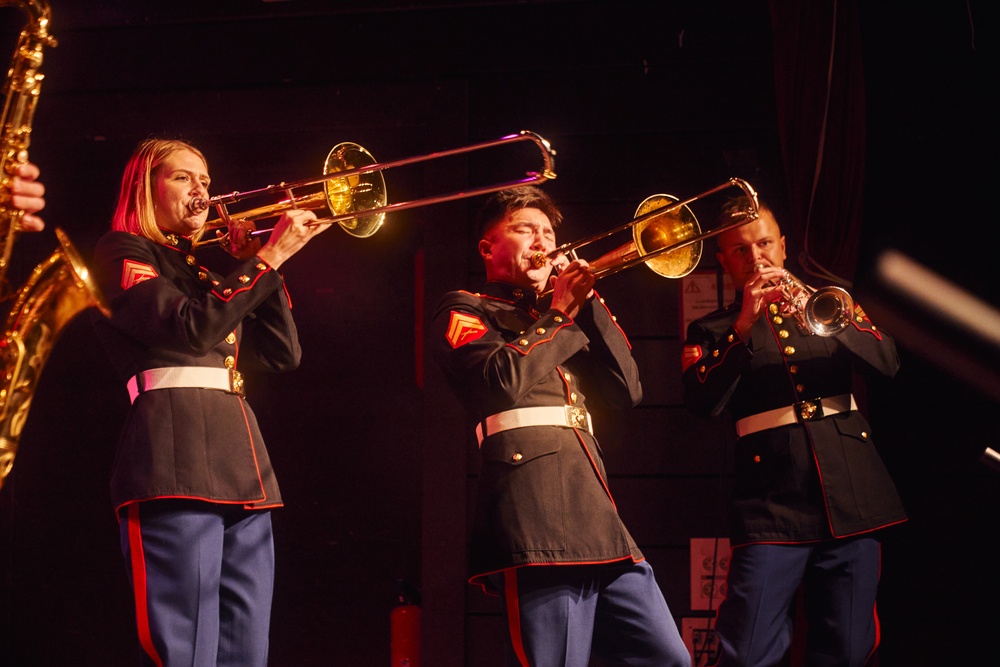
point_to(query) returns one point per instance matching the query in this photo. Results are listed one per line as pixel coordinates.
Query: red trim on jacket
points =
(614, 320)
(702, 374)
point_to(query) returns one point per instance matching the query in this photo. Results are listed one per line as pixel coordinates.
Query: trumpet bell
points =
(828, 311)
(354, 193)
(662, 231)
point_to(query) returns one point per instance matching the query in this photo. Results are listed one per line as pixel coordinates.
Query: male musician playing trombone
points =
(547, 536)
(810, 487)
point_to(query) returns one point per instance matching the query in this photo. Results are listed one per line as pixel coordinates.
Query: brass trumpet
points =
(823, 312)
(666, 236)
(354, 193)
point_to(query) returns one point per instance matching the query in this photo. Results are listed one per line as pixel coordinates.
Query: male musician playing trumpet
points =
(547, 536)
(192, 482)
(810, 489)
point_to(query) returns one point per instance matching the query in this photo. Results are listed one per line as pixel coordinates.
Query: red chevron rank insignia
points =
(690, 356)
(464, 328)
(134, 273)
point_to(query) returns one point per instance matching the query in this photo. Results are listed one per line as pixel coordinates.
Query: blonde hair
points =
(135, 212)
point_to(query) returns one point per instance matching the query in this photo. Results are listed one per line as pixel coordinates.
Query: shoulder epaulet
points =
(860, 321)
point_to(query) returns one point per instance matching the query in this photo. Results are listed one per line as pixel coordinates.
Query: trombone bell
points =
(653, 234)
(666, 235)
(354, 193)
(676, 225)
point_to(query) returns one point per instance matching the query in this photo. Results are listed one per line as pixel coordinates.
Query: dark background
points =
(373, 454)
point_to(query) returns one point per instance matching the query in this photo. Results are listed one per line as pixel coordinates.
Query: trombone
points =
(353, 192)
(666, 235)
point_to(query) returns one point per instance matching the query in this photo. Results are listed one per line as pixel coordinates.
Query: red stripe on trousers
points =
(514, 614)
(139, 584)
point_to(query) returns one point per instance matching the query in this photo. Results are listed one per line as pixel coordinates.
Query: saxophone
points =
(59, 288)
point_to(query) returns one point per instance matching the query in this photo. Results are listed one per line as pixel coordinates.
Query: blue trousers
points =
(840, 579)
(202, 576)
(557, 615)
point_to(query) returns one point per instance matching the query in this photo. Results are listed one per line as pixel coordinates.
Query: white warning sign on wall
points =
(700, 296)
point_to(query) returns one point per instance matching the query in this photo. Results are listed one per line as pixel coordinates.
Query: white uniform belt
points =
(566, 416)
(173, 377)
(796, 413)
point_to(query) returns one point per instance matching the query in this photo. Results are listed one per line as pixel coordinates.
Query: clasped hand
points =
(295, 228)
(240, 241)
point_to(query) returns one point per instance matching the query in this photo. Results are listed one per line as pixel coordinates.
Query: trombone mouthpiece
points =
(198, 205)
(539, 259)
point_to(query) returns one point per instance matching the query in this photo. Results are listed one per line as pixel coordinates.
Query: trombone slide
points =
(354, 188)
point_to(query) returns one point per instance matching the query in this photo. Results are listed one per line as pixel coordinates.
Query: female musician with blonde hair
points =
(192, 482)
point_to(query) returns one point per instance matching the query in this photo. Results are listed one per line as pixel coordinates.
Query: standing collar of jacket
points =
(521, 297)
(175, 240)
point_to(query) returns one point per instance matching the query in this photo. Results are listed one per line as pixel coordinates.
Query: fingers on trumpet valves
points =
(767, 275)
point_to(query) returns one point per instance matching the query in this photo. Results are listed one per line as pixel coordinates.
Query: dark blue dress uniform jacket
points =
(543, 496)
(807, 481)
(169, 311)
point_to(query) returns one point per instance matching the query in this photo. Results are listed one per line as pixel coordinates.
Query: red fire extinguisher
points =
(404, 627)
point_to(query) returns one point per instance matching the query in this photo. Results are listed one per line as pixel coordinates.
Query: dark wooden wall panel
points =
(672, 569)
(660, 370)
(485, 640)
(662, 510)
(667, 441)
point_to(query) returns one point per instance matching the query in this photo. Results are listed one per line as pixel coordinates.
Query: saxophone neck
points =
(21, 91)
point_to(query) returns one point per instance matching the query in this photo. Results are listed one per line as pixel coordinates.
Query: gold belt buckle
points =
(809, 410)
(236, 382)
(576, 417)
